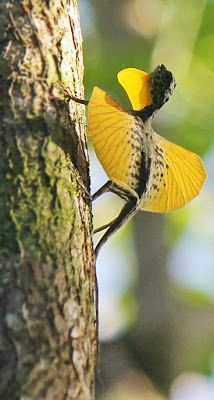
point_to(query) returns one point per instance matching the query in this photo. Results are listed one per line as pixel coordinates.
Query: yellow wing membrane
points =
(177, 176)
(136, 85)
(109, 131)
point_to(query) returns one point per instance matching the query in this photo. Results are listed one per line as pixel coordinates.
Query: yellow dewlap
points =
(136, 84)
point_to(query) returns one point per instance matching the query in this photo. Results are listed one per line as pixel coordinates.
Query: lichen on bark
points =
(47, 333)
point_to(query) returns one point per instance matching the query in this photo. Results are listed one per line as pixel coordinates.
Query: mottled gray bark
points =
(47, 277)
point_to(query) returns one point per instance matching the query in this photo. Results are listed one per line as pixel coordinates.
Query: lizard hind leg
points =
(104, 189)
(127, 212)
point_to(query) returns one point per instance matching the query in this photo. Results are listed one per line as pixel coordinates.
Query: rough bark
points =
(47, 333)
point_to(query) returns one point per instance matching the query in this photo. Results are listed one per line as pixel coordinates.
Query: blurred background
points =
(156, 276)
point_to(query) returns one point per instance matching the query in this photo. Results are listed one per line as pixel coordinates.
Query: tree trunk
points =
(48, 330)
